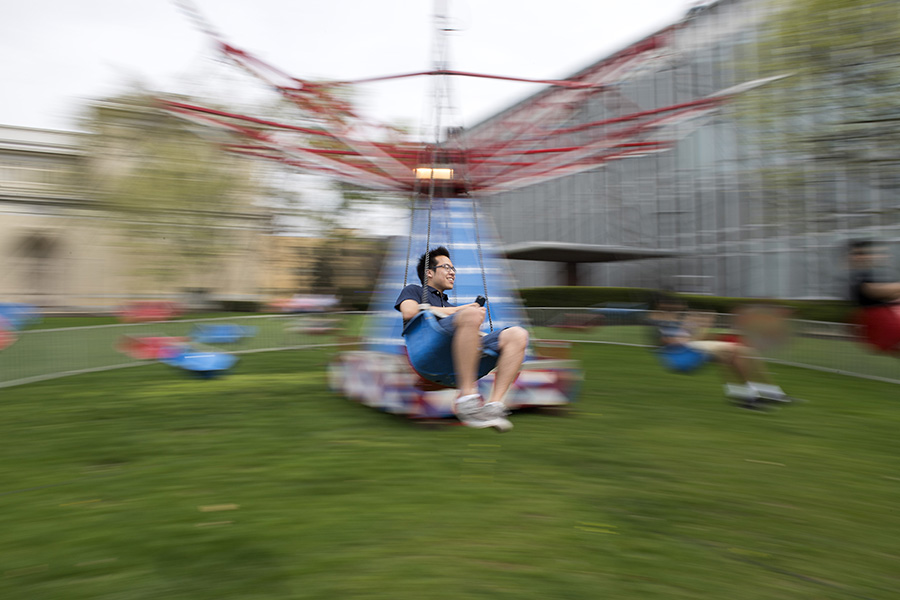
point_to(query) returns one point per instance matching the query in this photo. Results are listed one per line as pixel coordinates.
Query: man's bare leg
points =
(752, 374)
(734, 360)
(513, 342)
(747, 366)
(466, 348)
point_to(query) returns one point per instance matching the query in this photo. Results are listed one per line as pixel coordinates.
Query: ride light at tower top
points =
(434, 173)
(441, 181)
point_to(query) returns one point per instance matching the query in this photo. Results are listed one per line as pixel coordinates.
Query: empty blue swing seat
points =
(17, 316)
(428, 347)
(221, 333)
(202, 364)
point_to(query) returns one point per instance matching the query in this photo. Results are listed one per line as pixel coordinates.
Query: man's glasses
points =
(450, 268)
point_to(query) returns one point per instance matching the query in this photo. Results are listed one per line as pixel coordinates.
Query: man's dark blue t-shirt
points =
(414, 292)
(669, 330)
(860, 277)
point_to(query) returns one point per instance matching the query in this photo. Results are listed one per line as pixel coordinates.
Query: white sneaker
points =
(772, 393)
(494, 410)
(471, 412)
(741, 392)
(494, 414)
(744, 396)
(468, 410)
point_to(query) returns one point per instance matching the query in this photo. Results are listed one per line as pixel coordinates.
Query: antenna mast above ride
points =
(440, 88)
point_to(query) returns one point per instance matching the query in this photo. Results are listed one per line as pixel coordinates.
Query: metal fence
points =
(818, 345)
(41, 354)
(48, 353)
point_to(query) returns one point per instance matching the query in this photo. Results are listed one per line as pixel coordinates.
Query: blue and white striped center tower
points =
(444, 217)
(458, 225)
(381, 376)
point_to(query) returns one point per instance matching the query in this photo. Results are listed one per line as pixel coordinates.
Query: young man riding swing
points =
(875, 289)
(463, 324)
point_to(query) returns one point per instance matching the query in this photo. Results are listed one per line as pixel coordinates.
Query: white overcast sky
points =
(56, 54)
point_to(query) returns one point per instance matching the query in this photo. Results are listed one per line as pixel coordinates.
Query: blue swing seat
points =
(221, 333)
(202, 364)
(682, 359)
(428, 347)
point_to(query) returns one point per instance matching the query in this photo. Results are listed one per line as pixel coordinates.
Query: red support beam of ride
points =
(564, 83)
(643, 124)
(347, 171)
(528, 143)
(577, 156)
(551, 165)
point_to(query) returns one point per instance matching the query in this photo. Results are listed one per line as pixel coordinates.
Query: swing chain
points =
(412, 221)
(481, 262)
(428, 233)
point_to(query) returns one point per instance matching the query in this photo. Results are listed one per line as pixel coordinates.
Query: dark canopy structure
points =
(578, 253)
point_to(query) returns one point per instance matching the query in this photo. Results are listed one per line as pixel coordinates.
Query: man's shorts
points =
(490, 343)
(881, 326)
(710, 346)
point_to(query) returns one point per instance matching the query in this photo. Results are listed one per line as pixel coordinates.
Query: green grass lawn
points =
(89, 320)
(143, 483)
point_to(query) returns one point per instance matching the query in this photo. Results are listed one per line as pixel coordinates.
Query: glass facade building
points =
(710, 201)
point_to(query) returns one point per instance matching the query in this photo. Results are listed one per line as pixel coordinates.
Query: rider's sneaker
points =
(468, 410)
(740, 392)
(471, 411)
(494, 415)
(744, 396)
(772, 393)
(493, 410)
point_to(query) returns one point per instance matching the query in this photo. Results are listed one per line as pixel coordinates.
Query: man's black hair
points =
(432, 256)
(665, 298)
(863, 246)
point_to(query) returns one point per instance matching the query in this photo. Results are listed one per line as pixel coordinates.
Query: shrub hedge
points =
(581, 296)
(250, 306)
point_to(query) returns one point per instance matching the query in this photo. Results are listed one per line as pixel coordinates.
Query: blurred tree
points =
(324, 268)
(182, 203)
(337, 213)
(829, 134)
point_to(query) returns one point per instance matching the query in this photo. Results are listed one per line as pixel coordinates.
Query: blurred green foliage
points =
(831, 127)
(180, 203)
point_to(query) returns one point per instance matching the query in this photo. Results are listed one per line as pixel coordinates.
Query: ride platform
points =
(385, 381)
